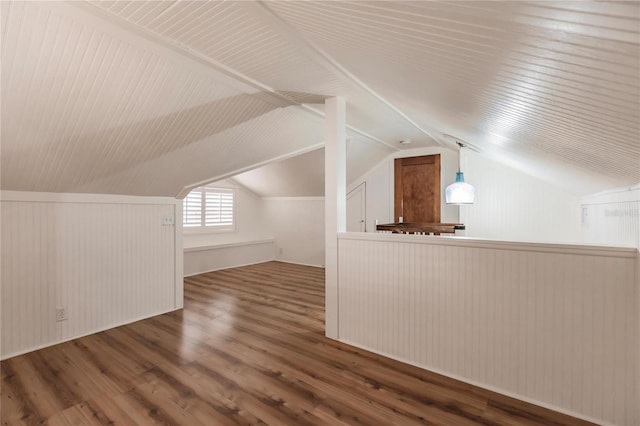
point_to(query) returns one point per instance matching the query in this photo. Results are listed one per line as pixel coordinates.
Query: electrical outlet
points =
(167, 220)
(61, 314)
(281, 251)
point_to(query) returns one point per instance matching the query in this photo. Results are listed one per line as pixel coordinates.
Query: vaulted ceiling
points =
(154, 97)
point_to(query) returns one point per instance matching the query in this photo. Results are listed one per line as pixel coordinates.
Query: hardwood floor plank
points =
(103, 410)
(38, 399)
(248, 348)
(308, 368)
(76, 416)
(19, 404)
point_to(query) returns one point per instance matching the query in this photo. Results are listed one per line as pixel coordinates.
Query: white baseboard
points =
(98, 330)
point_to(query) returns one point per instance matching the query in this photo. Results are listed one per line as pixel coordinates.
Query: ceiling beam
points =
(325, 59)
(224, 73)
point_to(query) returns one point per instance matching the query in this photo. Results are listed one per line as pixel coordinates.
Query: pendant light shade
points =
(460, 192)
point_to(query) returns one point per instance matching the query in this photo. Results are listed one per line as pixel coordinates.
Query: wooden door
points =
(417, 189)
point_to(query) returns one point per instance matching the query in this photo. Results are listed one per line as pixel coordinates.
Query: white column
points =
(335, 191)
(179, 253)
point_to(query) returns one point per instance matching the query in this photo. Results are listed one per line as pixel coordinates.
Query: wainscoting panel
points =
(198, 260)
(552, 324)
(107, 260)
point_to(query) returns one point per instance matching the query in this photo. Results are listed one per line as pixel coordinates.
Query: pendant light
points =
(460, 192)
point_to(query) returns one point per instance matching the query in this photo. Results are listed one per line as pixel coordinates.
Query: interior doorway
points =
(356, 209)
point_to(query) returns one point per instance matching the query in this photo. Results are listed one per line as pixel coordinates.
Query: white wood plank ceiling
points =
(150, 97)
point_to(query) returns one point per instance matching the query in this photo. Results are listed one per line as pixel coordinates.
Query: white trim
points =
(588, 250)
(188, 188)
(227, 245)
(67, 197)
(480, 385)
(99, 330)
(298, 263)
(293, 198)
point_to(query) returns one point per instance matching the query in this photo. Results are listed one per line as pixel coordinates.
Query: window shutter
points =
(192, 209)
(218, 207)
(209, 207)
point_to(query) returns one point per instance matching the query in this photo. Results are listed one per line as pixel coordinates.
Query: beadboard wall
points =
(109, 260)
(514, 206)
(198, 260)
(556, 325)
(612, 217)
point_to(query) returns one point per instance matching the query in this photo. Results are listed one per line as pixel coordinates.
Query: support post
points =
(335, 190)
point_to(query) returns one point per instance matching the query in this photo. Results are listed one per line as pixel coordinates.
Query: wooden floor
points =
(249, 348)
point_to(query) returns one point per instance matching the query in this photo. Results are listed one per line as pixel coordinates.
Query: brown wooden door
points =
(417, 189)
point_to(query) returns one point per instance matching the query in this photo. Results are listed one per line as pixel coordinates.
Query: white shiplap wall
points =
(108, 259)
(514, 206)
(612, 217)
(555, 325)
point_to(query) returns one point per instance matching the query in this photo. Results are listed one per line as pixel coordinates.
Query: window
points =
(209, 208)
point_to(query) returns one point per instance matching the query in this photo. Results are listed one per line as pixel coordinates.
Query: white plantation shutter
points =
(208, 207)
(219, 207)
(192, 209)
